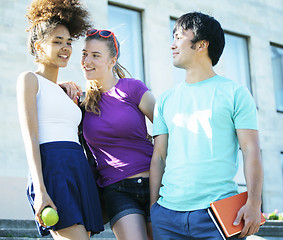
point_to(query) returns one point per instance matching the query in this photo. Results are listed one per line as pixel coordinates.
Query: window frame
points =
(142, 61)
(248, 84)
(276, 46)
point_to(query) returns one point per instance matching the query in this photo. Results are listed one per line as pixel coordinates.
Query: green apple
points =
(49, 216)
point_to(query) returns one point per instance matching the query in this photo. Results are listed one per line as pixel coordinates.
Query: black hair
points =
(206, 28)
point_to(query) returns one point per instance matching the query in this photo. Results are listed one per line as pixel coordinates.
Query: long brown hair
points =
(93, 96)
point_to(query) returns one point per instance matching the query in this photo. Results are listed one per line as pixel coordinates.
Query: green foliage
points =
(274, 216)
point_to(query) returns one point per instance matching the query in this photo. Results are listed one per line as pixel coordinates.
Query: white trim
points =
(215, 223)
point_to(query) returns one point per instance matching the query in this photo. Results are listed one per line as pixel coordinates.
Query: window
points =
(234, 62)
(277, 69)
(126, 24)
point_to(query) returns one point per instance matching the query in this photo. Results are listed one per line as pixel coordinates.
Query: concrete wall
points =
(259, 20)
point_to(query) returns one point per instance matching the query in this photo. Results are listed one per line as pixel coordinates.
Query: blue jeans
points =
(175, 225)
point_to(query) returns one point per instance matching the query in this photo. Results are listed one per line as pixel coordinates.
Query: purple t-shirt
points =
(117, 138)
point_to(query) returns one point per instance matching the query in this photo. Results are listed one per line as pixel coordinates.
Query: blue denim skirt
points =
(70, 183)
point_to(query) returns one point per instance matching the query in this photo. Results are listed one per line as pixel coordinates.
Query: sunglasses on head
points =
(104, 34)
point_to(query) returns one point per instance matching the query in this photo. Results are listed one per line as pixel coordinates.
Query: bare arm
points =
(147, 105)
(72, 90)
(157, 166)
(250, 212)
(27, 87)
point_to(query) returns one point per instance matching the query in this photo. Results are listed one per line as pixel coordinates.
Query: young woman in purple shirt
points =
(115, 130)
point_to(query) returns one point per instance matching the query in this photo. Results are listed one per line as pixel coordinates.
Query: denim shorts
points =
(129, 196)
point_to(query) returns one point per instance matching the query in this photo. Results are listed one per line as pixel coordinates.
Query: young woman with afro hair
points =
(60, 175)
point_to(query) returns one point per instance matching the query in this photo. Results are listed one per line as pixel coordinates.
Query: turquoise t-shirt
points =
(202, 156)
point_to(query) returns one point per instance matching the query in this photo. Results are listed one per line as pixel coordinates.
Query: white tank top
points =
(58, 115)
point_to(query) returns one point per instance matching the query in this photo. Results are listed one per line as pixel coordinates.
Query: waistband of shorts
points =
(60, 144)
(134, 181)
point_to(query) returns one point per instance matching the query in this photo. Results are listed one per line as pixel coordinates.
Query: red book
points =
(226, 211)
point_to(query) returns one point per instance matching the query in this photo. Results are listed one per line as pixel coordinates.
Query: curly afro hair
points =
(45, 15)
(69, 13)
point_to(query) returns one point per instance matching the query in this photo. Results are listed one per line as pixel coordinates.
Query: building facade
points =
(253, 56)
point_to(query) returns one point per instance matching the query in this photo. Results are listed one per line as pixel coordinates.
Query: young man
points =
(198, 127)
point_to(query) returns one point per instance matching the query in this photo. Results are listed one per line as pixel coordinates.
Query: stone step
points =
(34, 234)
(21, 238)
(24, 224)
(26, 229)
(271, 228)
(23, 233)
(24, 238)
(27, 238)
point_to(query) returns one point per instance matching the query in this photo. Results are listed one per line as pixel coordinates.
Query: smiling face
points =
(57, 48)
(183, 49)
(96, 61)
